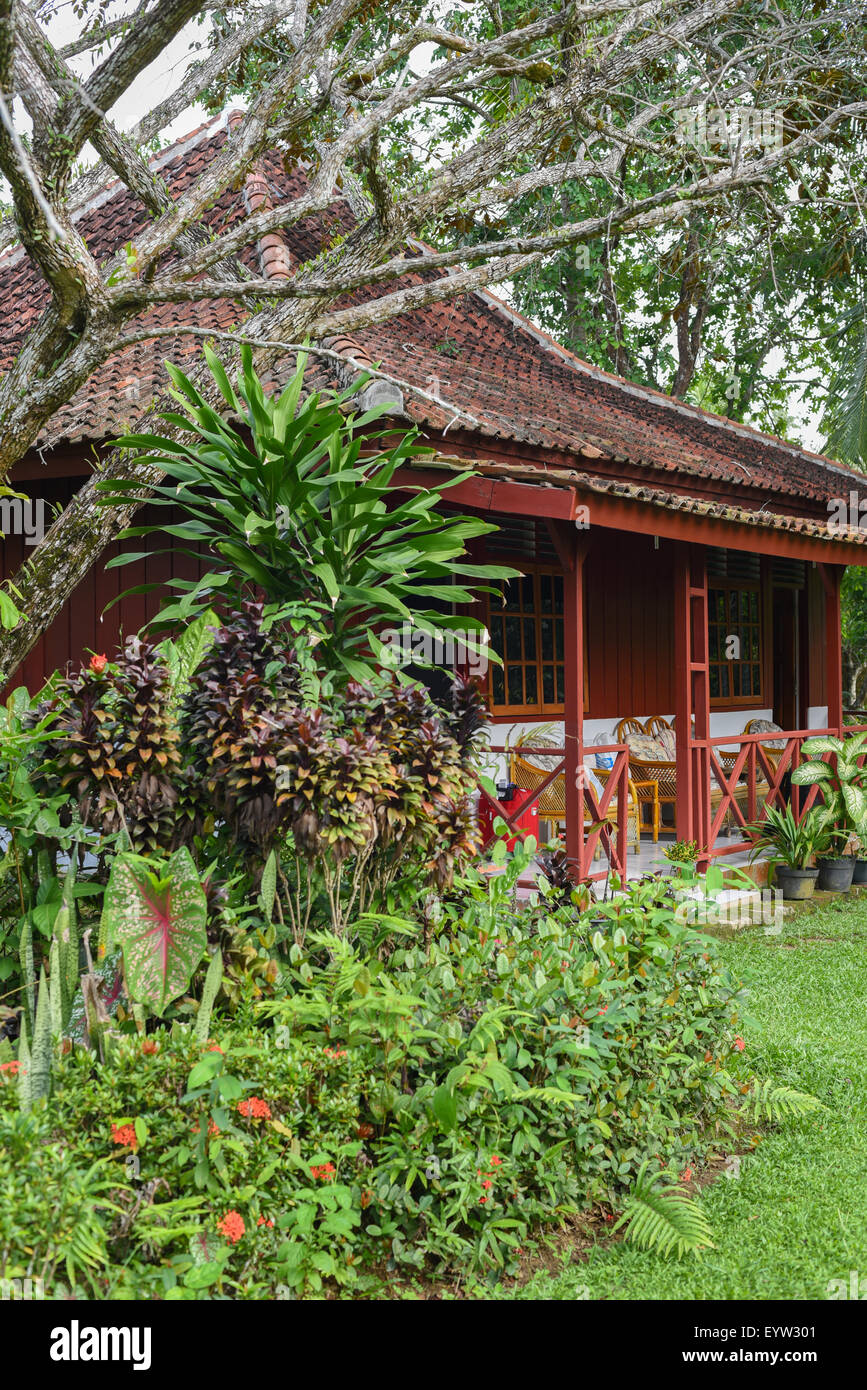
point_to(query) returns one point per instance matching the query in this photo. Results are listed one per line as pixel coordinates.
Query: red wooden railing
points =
(592, 809)
(749, 775)
(753, 776)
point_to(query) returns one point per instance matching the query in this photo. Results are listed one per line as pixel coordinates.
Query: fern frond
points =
(661, 1216)
(768, 1101)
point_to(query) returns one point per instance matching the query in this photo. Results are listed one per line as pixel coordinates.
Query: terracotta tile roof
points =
(513, 381)
(582, 482)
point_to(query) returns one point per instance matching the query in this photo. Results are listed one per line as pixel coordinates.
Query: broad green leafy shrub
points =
(300, 509)
(195, 1145)
(57, 1201)
(524, 1066)
(415, 1107)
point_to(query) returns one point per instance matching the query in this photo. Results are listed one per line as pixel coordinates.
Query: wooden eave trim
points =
(609, 466)
(629, 515)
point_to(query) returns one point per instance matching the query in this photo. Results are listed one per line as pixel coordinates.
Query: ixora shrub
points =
(177, 1166)
(422, 1112)
(57, 1203)
(526, 1066)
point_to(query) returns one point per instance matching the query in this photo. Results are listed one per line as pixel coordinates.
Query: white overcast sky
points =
(152, 86)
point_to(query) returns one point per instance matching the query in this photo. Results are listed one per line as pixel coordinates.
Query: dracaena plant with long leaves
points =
(292, 496)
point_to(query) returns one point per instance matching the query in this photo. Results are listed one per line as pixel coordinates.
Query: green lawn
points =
(796, 1217)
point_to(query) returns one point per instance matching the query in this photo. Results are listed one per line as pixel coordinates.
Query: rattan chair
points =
(773, 755)
(664, 772)
(654, 781)
(552, 802)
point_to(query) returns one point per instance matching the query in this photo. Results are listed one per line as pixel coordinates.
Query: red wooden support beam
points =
(564, 539)
(573, 657)
(692, 696)
(831, 577)
(699, 677)
(682, 694)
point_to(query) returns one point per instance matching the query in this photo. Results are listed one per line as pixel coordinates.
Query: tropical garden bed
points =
(268, 1030)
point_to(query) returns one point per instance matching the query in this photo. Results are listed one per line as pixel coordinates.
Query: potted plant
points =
(682, 852)
(845, 800)
(859, 877)
(793, 844)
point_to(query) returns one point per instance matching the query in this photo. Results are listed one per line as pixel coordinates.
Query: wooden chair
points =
(552, 803)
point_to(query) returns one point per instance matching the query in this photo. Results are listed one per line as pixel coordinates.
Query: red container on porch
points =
(509, 797)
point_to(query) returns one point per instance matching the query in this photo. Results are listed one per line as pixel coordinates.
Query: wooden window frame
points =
(540, 710)
(756, 700)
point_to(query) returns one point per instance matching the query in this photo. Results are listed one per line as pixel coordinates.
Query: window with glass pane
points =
(735, 665)
(526, 627)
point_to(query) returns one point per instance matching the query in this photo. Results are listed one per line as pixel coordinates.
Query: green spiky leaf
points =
(209, 994)
(40, 1052)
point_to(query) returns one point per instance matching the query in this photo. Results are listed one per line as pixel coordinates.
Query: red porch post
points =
(573, 656)
(692, 695)
(832, 576)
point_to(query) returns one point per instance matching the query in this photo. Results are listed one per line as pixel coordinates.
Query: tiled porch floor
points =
(650, 858)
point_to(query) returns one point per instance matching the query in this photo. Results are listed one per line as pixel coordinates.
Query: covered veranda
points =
(720, 777)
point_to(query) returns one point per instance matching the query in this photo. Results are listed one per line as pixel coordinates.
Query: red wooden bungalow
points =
(650, 534)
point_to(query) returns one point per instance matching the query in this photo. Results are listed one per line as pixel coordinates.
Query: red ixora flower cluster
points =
(738, 1044)
(337, 1053)
(98, 663)
(125, 1135)
(263, 1221)
(213, 1128)
(254, 1109)
(487, 1181)
(149, 1047)
(14, 1067)
(323, 1171)
(686, 1175)
(232, 1226)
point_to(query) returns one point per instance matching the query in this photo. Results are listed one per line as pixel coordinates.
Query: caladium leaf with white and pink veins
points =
(156, 911)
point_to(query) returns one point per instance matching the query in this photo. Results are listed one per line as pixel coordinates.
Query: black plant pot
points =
(795, 884)
(835, 875)
(860, 874)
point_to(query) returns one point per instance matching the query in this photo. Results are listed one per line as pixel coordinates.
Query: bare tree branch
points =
(571, 99)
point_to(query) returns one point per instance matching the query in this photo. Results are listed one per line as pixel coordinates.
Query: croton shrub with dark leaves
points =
(349, 795)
